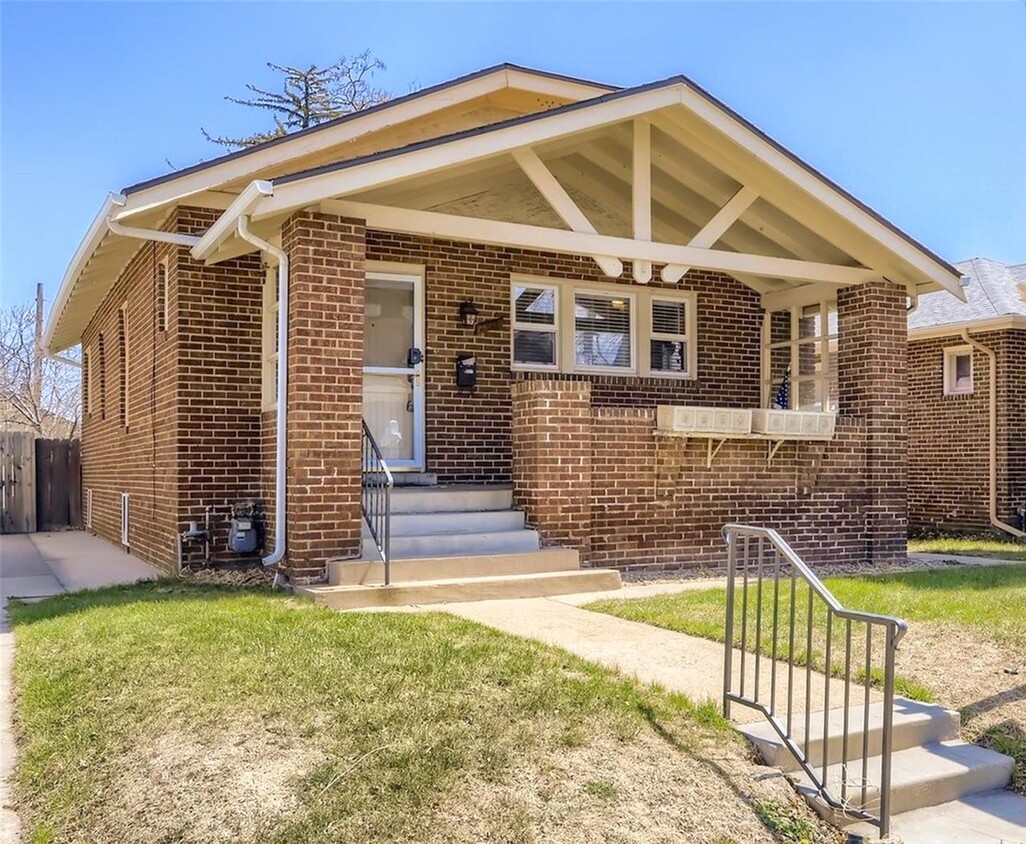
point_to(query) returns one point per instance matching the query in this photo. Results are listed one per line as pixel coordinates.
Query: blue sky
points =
(918, 109)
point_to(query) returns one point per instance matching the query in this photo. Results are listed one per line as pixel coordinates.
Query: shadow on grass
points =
(25, 612)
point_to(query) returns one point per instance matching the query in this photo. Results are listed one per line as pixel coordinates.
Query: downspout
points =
(177, 238)
(281, 424)
(992, 357)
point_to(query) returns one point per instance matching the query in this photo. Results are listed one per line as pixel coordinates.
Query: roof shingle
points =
(994, 290)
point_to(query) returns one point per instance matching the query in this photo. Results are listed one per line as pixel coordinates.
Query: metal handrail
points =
(772, 553)
(376, 498)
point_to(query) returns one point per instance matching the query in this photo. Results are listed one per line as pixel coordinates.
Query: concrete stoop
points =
(456, 590)
(932, 770)
(453, 544)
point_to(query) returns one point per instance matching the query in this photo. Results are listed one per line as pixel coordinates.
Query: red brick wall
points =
(192, 438)
(873, 386)
(325, 389)
(139, 458)
(948, 451)
(552, 458)
(468, 433)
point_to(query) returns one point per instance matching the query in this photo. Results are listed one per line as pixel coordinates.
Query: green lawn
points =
(173, 713)
(970, 546)
(990, 600)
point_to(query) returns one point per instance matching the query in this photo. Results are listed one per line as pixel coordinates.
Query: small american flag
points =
(783, 399)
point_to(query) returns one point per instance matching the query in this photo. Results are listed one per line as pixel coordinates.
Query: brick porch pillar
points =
(325, 389)
(872, 385)
(552, 459)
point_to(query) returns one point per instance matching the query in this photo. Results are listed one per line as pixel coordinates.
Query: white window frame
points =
(691, 358)
(553, 329)
(569, 339)
(794, 345)
(951, 355)
(269, 348)
(88, 509)
(124, 518)
(641, 333)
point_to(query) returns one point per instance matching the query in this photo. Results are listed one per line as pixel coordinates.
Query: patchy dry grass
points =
(169, 713)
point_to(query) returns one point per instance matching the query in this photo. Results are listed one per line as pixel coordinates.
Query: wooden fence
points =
(40, 483)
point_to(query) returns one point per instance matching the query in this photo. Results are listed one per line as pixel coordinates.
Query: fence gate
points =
(58, 484)
(17, 482)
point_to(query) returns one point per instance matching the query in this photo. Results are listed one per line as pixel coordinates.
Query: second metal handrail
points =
(376, 498)
(756, 554)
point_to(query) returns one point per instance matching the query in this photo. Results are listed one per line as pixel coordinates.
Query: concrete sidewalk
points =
(37, 566)
(676, 661)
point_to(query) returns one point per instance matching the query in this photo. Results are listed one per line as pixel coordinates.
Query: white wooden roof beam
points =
(555, 194)
(641, 193)
(431, 224)
(389, 169)
(713, 230)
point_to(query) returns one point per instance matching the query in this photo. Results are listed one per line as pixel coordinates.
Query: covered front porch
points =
(512, 304)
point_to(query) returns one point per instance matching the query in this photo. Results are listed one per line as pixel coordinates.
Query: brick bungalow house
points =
(967, 404)
(509, 277)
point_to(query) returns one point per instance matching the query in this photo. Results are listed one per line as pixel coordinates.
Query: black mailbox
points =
(466, 370)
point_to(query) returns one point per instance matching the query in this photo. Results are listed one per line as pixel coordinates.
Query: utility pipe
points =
(994, 520)
(242, 226)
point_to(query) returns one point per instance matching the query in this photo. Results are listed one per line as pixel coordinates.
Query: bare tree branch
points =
(309, 96)
(54, 409)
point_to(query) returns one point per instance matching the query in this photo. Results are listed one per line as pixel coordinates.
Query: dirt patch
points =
(641, 790)
(985, 681)
(255, 575)
(184, 787)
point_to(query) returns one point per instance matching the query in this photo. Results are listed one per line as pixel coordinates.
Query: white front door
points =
(393, 368)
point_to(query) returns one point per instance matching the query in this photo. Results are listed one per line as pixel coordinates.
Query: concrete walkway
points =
(37, 566)
(676, 661)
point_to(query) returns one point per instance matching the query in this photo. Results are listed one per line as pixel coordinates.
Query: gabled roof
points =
(704, 153)
(993, 290)
(586, 89)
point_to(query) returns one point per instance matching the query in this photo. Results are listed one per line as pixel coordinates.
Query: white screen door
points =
(393, 377)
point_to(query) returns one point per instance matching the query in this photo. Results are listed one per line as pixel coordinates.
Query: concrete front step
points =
(935, 773)
(474, 521)
(467, 589)
(363, 572)
(915, 724)
(451, 499)
(459, 545)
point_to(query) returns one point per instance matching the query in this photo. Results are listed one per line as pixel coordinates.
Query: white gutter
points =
(994, 520)
(281, 425)
(152, 234)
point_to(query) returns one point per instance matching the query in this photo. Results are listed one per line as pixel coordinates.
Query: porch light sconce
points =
(471, 318)
(468, 313)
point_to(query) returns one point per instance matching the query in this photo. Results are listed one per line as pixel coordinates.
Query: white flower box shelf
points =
(712, 422)
(793, 424)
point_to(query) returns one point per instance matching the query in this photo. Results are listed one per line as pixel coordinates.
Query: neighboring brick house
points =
(582, 254)
(953, 438)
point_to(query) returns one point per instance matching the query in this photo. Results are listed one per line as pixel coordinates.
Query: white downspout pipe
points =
(281, 424)
(992, 357)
